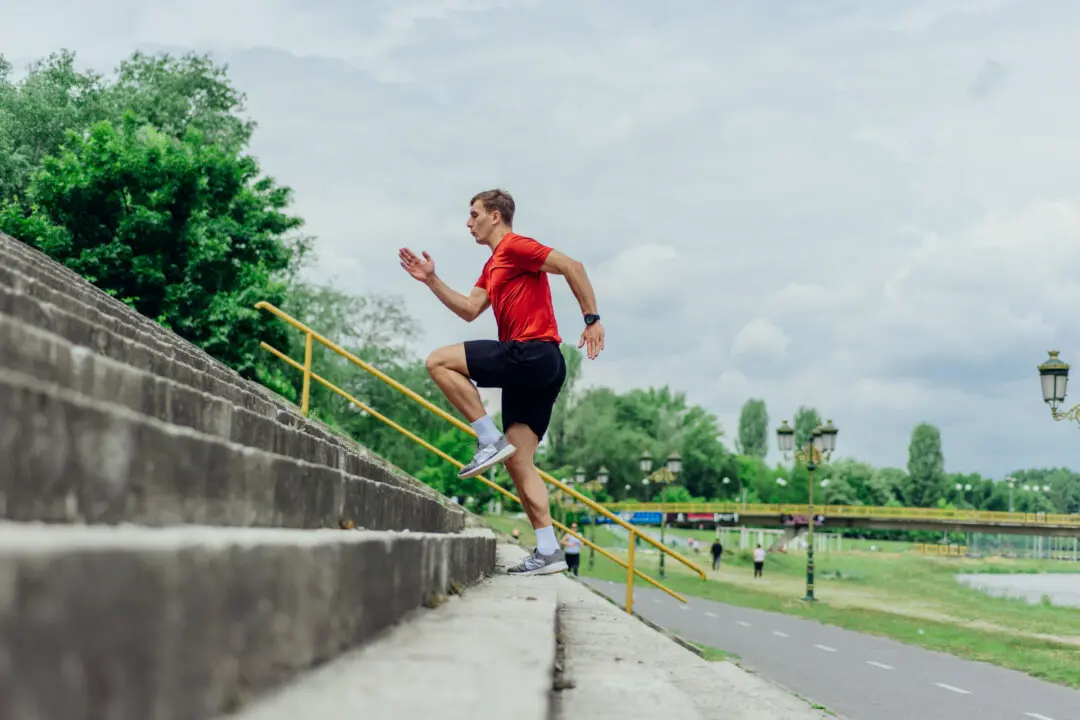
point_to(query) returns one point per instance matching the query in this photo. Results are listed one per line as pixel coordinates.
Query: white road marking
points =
(744, 624)
(883, 666)
(780, 634)
(684, 606)
(826, 648)
(1037, 716)
(710, 614)
(656, 600)
(954, 689)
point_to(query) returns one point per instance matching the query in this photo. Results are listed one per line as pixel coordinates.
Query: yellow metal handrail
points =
(865, 511)
(311, 335)
(933, 549)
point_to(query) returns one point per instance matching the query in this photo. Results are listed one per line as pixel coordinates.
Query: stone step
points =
(67, 458)
(132, 623)
(485, 655)
(32, 273)
(50, 358)
(211, 378)
(85, 301)
(52, 275)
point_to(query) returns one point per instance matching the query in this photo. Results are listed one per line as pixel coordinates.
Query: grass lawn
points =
(902, 595)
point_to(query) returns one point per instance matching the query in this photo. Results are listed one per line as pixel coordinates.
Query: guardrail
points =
(861, 511)
(312, 336)
(935, 549)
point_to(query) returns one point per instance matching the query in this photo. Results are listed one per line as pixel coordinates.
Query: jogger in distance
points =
(526, 360)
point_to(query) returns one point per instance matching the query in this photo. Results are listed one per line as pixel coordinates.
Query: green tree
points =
(179, 94)
(754, 428)
(185, 232)
(173, 94)
(926, 467)
(886, 486)
(806, 419)
(37, 112)
(839, 492)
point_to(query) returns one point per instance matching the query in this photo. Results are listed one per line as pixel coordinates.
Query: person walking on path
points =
(717, 552)
(759, 561)
(572, 550)
(526, 360)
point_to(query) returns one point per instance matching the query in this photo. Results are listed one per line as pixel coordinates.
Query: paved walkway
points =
(862, 677)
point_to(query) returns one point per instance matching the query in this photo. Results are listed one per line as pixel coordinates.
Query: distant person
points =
(572, 550)
(516, 535)
(525, 361)
(759, 561)
(717, 553)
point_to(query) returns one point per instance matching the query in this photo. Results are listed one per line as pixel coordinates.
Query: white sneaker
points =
(486, 456)
(537, 564)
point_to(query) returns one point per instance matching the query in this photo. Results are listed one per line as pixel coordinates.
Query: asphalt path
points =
(861, 677)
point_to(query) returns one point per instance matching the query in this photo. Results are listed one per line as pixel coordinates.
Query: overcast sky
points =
(871, 207)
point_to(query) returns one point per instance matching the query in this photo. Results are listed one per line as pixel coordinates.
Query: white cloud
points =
(870, 208)
(760, 337)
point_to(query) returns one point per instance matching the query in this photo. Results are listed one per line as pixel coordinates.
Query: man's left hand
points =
(593, 337)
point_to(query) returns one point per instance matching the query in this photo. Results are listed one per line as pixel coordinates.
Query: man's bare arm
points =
(467, 307)
(574, 272)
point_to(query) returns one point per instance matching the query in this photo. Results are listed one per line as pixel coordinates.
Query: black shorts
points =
(530, 373)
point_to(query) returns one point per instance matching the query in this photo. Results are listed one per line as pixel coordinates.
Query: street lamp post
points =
(664, 475)
(1055, 376)
(820, 447)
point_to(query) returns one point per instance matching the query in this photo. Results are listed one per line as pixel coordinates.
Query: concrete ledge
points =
(66, 458)
(486, 655)
(185, 623)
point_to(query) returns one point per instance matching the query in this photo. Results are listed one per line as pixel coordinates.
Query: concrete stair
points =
(174, 539)
(48, 297)
(530, 649)
(177, 543)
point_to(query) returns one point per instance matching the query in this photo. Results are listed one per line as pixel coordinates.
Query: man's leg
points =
(530, 486)
(548, 558)
(449, 369)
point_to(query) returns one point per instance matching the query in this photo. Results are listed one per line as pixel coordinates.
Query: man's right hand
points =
(422, 270)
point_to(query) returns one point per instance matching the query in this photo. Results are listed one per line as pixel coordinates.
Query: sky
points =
(871, 207)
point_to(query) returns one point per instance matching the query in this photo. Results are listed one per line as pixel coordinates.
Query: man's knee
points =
(520, 462)
(451, 357)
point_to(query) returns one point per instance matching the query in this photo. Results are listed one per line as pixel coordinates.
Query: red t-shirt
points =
(519, 291)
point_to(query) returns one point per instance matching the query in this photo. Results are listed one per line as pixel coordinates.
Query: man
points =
(717, 553)
(573, 550)
(759, 561)
(525, 362)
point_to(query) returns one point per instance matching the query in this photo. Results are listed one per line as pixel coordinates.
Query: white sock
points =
(545, 540)
(486, 431)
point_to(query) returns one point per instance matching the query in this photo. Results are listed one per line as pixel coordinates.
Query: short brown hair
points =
(500, 200)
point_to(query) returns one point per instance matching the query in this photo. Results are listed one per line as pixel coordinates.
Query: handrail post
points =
(306, 393)
(630, 575)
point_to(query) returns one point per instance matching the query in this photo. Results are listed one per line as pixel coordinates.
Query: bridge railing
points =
(856, 511)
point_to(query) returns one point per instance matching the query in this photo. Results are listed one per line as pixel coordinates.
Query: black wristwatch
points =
(590, 318)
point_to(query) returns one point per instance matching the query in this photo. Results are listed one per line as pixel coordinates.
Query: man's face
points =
(573, 526)
(481, 222)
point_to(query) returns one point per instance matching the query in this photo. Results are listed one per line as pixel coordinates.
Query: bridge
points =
(850, 516)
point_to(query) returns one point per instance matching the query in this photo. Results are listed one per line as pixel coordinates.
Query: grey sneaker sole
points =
(495, 459)
(550, 569)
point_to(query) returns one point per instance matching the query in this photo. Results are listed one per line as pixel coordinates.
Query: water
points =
(1063, 589)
